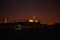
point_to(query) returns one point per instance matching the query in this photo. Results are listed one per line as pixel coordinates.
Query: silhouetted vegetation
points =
(33, 26)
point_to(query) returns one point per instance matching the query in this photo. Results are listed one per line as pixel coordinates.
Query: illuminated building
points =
(33, 19)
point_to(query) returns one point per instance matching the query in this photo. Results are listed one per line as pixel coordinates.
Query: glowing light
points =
(33, 17)
(36, 20)
(31, 20)
(19, 27)
(5, 20)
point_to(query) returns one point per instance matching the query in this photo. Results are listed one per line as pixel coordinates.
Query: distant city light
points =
(36, 20)
(31, 20)
(5, 20)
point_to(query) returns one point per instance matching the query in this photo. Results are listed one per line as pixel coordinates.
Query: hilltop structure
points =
(33, 19)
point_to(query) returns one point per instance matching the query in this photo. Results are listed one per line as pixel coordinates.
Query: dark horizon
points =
(47, 11)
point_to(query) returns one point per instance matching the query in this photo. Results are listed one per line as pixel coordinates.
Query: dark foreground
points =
(36, 31)
(28, 34)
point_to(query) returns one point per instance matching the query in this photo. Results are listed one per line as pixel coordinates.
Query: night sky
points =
(47, 11)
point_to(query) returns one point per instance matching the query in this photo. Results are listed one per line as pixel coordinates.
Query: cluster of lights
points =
(31, 20)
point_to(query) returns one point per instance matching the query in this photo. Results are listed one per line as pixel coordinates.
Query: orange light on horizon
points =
(31, 20)
(5, 20)
(36, 20)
